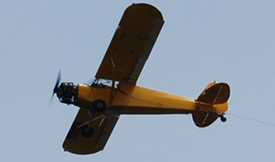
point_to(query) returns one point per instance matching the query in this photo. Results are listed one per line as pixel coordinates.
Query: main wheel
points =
(87, 132)
(99, 105)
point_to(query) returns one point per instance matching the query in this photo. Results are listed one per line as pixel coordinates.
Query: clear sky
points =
(201, 41)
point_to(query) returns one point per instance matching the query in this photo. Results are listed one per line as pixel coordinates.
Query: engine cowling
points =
(67, 92)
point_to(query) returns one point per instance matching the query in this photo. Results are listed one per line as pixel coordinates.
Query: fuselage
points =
(133, 99)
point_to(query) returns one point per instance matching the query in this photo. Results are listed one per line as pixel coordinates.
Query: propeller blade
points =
(57, 83)
(55, 89)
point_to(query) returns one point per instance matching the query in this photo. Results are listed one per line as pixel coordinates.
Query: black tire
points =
(223, 119)
(87, 132)
(99, 105)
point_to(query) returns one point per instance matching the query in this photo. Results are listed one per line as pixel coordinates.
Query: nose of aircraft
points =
(67, 92)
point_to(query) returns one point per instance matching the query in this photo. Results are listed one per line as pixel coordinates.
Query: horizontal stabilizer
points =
(215, 93)
(211, 96)
(204, 119)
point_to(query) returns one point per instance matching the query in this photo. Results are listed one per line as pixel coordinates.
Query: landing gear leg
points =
(87, 130)
(99, 106)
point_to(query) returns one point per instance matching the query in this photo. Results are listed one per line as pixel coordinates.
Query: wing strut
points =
(112, 93)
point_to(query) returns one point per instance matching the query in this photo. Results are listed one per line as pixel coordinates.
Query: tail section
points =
(215, 94)
(211, 104)
(204, 119)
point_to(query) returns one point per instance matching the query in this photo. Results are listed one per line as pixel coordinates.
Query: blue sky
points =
(201, 41)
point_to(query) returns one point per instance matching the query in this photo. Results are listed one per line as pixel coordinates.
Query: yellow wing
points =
(102, 124)
(131, 44)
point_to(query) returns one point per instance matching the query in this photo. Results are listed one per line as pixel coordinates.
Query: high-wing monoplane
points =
(114, 91)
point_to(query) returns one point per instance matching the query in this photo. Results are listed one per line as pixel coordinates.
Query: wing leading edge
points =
(131, 44)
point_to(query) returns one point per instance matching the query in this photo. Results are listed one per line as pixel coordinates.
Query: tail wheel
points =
(99, 105)
(223, 119)
(87, 132)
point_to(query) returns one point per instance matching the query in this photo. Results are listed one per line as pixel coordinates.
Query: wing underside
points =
(131, 44)
(102, 124)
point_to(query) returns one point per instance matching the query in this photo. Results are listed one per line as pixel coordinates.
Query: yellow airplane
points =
(114, 91)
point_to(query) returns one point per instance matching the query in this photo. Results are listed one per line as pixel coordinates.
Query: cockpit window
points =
(103, 83)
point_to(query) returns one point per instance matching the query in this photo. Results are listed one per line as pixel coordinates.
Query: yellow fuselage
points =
(138, 100)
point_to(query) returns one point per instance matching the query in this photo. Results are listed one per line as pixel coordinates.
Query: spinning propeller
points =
(56, 88)
(66, 92)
